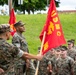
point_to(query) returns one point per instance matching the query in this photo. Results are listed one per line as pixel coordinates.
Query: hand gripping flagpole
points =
(36, 72)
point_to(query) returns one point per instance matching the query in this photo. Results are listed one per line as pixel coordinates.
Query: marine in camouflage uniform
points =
(73, 41)
(19, 41)
(43, 66)
(8, 52)
(64, 65)
(7, 55)
(50, 53)
(52, 61)
(71, 51)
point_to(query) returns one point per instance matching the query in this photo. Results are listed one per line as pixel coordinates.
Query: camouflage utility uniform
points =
(52, 62)
(7, 56)
(43, 66)
(65, 66)
(72, 53)
(19, 41)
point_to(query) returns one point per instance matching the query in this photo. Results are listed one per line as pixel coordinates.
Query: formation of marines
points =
(59, 61)
(15, 58)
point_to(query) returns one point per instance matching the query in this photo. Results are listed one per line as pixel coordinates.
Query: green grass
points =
(35, 23)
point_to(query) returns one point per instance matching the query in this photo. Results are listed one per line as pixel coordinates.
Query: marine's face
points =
(58, 52)
(70, 45)
(64, 52)
(21, 28)
(52, 52)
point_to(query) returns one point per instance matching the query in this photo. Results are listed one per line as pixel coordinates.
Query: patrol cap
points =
(73, 40)
(70, 41)
(57, 49)
(52, 49)
(63, 48)
(19, 23)
(4, 28)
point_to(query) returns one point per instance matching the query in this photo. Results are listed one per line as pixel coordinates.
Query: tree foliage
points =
(2, 2)
(29, 5)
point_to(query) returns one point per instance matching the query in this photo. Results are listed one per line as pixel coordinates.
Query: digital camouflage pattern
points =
(43, 66)
(74, 67)
(71, 53)
(19, 41)
(4, 28)
(65, 66)
(49, 55)
(52, 62)
(8, 53)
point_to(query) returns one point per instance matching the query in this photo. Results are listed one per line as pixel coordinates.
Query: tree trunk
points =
(23, 11)
(32, 11)
(28, 11)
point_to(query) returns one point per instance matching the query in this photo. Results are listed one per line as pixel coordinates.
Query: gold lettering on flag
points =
(55, 19)
(50, 28)
(58, 33)
(45, 46)
(11, 26)
(57, 26)
(53, 13)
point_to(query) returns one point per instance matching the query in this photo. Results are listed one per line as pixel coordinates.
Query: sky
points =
(67, 5)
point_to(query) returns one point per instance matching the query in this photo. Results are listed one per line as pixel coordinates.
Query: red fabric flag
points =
(54, 35)
(12, 20)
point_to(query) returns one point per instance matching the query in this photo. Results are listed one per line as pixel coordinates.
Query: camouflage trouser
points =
(65, 74)
(75, 71)
(30, 72)
(74, 68)
(31, 69)
(19, 70)
(10, 72)
(43, 71)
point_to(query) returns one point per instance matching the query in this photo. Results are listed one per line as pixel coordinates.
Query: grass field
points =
(35, 23)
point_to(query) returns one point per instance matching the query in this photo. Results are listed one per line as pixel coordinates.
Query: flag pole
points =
(10, 5)
(36, 72)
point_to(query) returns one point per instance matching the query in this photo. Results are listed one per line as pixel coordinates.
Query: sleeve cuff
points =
(20, 54)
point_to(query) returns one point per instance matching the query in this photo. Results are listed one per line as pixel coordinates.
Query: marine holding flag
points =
(54, 36)
(12, 20)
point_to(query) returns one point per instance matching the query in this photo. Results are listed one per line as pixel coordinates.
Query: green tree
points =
(2, 2)
(30, 5)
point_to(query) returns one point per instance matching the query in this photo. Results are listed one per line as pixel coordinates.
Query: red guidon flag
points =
(54, 35)
(12, 20)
